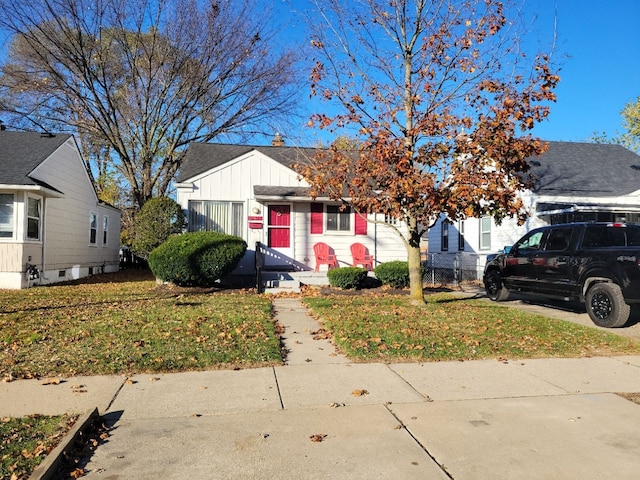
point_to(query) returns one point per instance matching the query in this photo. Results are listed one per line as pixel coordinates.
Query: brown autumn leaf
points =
(360, 393)
(318, 437)
(77, 473)
(52, 381)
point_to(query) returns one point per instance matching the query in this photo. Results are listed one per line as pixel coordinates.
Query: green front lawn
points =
(386, 328)
(122, 327)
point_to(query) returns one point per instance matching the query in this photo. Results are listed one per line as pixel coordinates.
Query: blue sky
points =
(597, 48)
(601, 73)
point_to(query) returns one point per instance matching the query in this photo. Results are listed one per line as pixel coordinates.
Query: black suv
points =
(596, 263)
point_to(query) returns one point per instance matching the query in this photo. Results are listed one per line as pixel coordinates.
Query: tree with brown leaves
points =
(441, 98)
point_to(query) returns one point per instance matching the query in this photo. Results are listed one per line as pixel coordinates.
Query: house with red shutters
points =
(254, 193)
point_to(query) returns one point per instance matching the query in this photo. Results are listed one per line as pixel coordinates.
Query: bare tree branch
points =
(138, 80)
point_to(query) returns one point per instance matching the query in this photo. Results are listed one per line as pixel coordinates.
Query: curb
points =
(47, 469)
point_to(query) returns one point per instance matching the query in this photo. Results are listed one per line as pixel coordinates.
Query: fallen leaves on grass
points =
(132, 327)
(26, 441)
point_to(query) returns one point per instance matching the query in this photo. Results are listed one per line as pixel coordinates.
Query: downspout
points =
(42, 237)
(375, 239)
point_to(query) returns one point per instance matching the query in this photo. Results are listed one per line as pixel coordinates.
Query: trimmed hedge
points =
(347, 277)
(196, 258)
(395, 274)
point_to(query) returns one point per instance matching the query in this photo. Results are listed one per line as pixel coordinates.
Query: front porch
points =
(277, 273)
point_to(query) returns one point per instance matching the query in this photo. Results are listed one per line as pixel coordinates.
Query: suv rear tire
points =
(494, 287)
(606, 306)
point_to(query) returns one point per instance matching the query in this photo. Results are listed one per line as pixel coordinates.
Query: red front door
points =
(279, 226)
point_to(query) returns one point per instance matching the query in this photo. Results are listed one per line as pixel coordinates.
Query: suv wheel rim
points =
(601, 305)
(492, 284)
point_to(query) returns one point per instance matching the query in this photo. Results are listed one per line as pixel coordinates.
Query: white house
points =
(574, 182)
(52, 225)
(252, 192)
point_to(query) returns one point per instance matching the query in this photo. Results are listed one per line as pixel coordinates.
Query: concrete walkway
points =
(320, 417)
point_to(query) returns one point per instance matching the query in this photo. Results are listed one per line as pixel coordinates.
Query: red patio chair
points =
(361, 256)
(324, 256)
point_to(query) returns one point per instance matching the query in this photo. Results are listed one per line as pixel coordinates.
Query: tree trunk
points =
(415, 264)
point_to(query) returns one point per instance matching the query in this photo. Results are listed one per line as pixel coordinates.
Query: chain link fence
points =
(453, 268)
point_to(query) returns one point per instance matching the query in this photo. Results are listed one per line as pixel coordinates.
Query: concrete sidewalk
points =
(322, 417)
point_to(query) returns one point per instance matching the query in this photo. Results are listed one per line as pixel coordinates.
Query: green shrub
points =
(159, 219)
(347, 277)
(197, 258)
(394, 274)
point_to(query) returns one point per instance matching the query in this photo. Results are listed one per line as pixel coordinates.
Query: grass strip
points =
(26, 441)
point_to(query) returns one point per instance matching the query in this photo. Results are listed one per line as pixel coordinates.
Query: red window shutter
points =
(317, 218)
(361, 224)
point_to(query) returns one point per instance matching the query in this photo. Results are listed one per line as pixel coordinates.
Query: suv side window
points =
(602, 236)
(633, 236)
(559, 239)
(529, 243)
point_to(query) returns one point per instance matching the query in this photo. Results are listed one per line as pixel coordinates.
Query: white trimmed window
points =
(461, 235)
(34, 213)
(6, 215)
(105, 229)
(93, 228)
(216, 216)
(444, 235)
(485, 233)
(338, 218)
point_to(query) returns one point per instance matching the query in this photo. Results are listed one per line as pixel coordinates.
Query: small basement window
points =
(62, 273)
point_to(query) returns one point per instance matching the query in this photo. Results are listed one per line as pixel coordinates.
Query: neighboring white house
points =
(574, 182)
(252, 192)
(52, 225)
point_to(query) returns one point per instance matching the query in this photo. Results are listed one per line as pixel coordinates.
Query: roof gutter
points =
(47, 192)
(292, 198)
(591, 208)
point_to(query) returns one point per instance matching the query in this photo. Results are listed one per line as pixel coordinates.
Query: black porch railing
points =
(268, 259)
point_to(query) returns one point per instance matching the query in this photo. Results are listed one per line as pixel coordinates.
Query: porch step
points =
(277, 282)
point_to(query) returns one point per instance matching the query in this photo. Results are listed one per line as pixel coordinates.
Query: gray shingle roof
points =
(589, 169)
(566, 168)
(22, 152)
